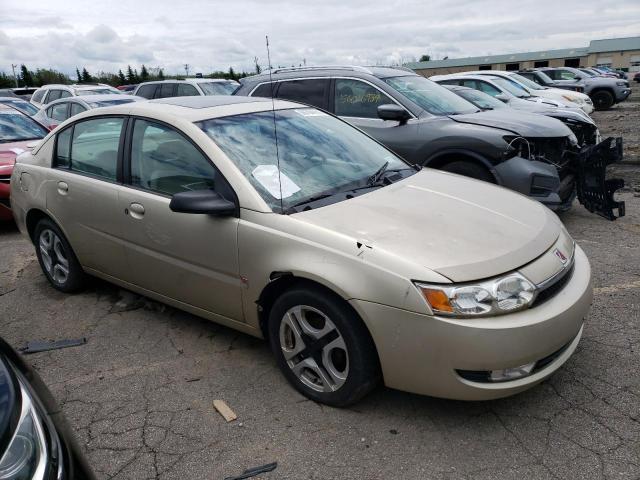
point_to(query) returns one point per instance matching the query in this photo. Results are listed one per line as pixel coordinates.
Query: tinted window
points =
(449, 82)
(58, 111)
(64, 94)
(486, 88)
(263, 90)
(147, 91)
(218, 88)
(310, 91)
(358, 99)
(164, 161)
(94, 148)
(186, 90)
(166, 90)
(76, 108)
(62, 148)
(37, 97)
(53, 95)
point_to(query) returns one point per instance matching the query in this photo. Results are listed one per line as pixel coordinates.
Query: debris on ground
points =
(45, 345)
(224, 410)
(252, 472)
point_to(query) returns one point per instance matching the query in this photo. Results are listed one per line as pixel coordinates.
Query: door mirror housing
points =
(394, 112)
(503, 97)
(203, 202)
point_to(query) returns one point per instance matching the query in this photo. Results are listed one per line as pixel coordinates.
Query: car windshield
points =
(512, 87)
(16, 127)
(545, 78)
(481, 99)
(24, 107)
(107, 103)
(317, 155)
(531, 85)
(430, 96)
(589, 73)
(218, 88)
(99, 91)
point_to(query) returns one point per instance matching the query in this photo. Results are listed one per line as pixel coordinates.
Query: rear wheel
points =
(602, 100)
(469, 169)
(56, 258)
(322, 346)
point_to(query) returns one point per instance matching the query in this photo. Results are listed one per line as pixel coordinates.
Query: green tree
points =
(144, 74)
(86, 77)
(26, 76)
(232, 74)
(78, 75)
(425, 58)
(160, 74)
(121, 77)
(6, 81)
(130, 75)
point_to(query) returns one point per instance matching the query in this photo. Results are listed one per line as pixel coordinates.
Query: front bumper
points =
(623, 94)
(538, 180)
(422, 354)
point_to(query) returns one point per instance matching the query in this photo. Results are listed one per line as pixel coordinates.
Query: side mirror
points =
(394, 112)
(502, 97)
(578, 78)
(203, 202)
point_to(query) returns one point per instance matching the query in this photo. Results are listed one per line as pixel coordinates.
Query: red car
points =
(17, 130)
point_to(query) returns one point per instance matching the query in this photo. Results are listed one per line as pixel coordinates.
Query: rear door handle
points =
(136, 210)
(63, 188)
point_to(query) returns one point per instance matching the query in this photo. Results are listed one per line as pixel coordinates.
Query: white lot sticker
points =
(270, 178)
(308, 112)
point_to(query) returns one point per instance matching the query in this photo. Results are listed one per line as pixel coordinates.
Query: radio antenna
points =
(275, 128)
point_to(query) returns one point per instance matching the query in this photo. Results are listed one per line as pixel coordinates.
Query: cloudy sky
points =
(107, 35)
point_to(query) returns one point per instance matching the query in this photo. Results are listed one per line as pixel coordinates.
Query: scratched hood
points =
(461, 228)
(517, 122)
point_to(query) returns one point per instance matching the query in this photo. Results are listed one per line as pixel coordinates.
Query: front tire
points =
(602, 100)
(57, 260)
(322, 347)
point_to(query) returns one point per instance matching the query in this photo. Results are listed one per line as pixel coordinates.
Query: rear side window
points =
(53, 95)
(58, 111)
(64, 94)
(358, 99)
(166, 90)
(147, 91)
(186, 90)
(37, 97)
(312, 91)
(263, 90)
(76, 108)
(91, 147)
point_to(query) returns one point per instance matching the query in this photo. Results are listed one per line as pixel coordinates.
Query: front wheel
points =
(602, 100)
(322, 347)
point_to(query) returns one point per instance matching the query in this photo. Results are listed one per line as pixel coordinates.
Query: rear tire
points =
(57, 260)
(602, 100)
(469, 169)
(322, 347)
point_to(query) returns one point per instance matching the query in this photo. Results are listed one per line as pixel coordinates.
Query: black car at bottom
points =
(35, 442)
(430, 126)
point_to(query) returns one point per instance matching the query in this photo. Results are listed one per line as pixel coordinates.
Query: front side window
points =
(163, 161)
(94, 147)
(166, 90)
(264, 90)
(354, 98)
(430, 96)
(63, 146)
(318, 155)
(16, 127)
(312, 91)
(483, 87)
(76, 108)
(53, 95)
(186, 90)
(218, 88)
(37, 97)
(58, 111)
(65, 94)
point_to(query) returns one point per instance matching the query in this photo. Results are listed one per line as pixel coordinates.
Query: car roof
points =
(435, 78)
(329, 71)
(94, 98)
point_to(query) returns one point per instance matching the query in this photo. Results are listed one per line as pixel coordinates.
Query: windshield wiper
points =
(373, 179)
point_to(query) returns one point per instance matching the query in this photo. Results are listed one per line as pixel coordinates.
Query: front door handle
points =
(136, 210)
(63, 188)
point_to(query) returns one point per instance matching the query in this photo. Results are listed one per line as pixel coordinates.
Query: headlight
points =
(621, 84)
(577, 100)
(493, 297)
(26, 457)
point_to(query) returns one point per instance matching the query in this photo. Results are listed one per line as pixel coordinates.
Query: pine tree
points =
(144, 74)
(136, 78)
(86, 78)
(26, 76)
(160, 74)
(121, 79)
(130, 76)
(232, 74)
(78, 75)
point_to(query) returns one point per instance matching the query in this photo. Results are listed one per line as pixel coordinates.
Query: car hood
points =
(517, 123)
(9, 151)
(458, 227)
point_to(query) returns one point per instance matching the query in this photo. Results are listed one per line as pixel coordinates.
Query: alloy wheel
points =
(54, 257)
(314, 349)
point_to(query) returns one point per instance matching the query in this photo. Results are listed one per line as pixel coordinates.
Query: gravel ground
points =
(139, 393)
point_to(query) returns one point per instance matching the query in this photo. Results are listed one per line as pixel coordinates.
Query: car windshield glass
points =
(545, 78)
(15, 127)
(512, 87)
(317, 154)
(24, 107)
(106, 103)
(588, 73)
(217, 88)
(98, 91)
(531, 85)
(481, 99)
(434, 98)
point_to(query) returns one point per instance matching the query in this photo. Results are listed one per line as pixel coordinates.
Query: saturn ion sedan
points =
(284, 222)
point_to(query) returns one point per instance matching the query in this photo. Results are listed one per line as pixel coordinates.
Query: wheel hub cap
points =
(54, 258)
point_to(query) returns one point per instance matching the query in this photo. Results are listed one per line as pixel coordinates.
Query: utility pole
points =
(186, 69)
(13, 67)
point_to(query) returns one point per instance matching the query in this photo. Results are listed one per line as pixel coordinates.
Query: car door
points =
(357, 102)
(191, 258)
(82, 192)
